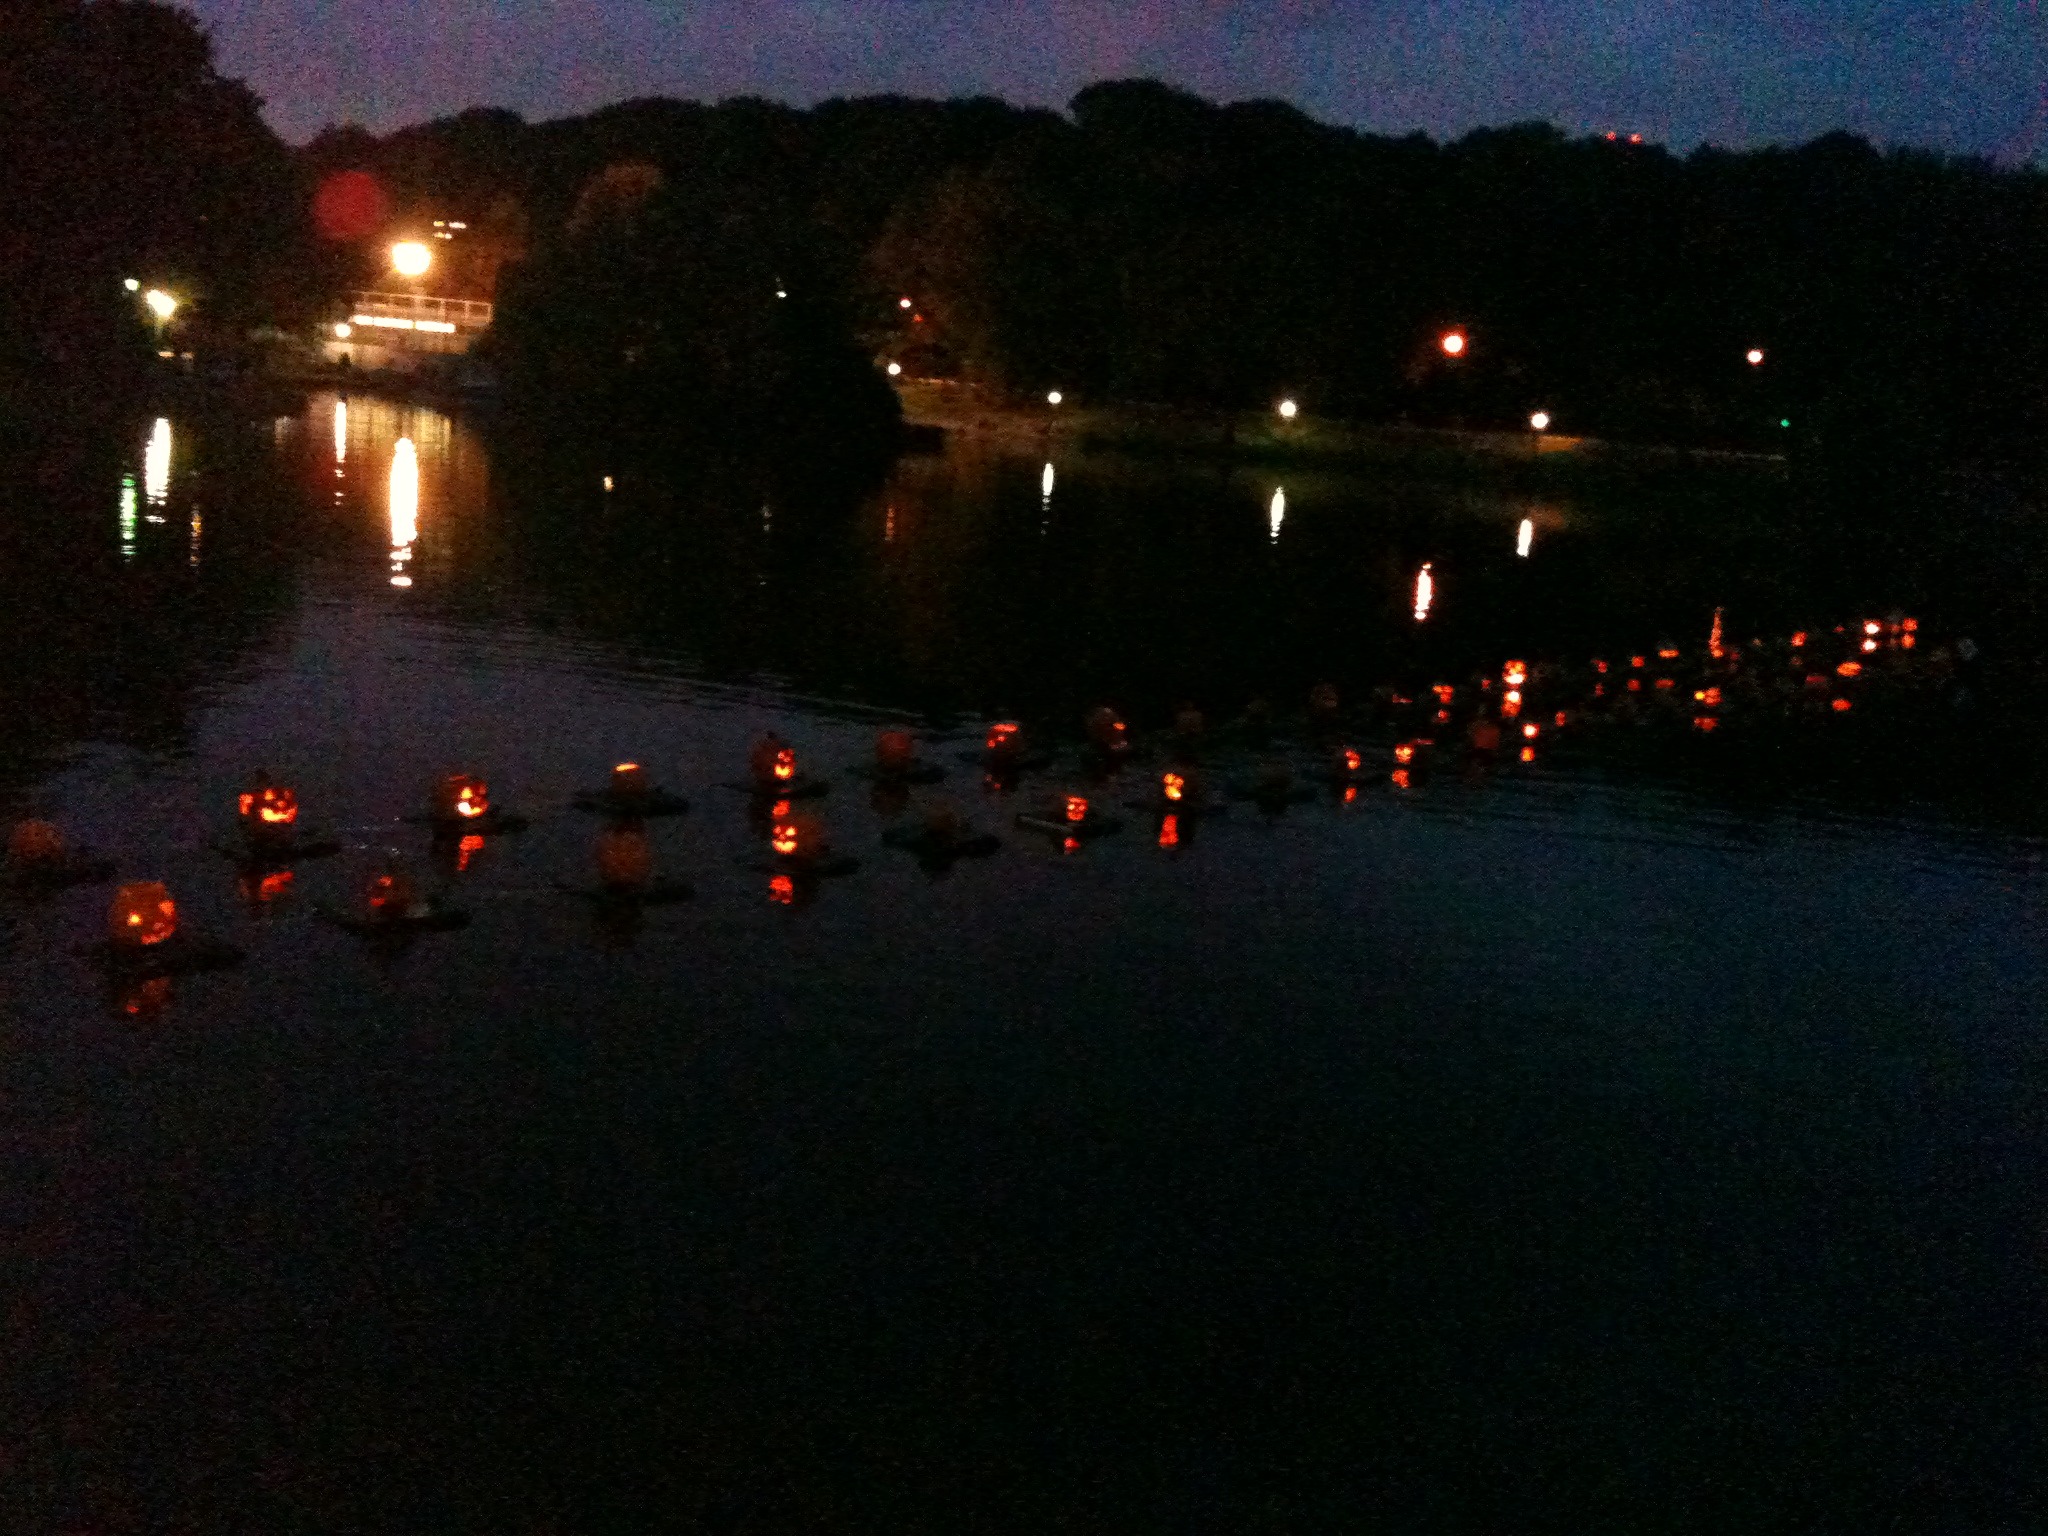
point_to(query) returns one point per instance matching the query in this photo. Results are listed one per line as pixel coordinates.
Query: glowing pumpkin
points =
(1850, 669)
(1174, 787)
(1077, 809)
(1514, 674)
(771, 761)
(267, 807)
(895, 752)
(1350, 760)
(1107, 730)
(796, 837)
(35, 845)
(462, 797)
(142, 915)
(391, 895)
(625, 859)
(1405, 752)
(629, 782)
(1005, 744)
(1798, 639)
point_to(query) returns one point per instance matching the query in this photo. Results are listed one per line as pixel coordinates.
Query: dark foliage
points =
(123, 154)
(1153, 246)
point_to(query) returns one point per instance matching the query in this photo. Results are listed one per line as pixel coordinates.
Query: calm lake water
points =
(1647, 1136)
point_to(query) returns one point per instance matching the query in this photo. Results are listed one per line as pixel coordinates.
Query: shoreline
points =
(965, 413)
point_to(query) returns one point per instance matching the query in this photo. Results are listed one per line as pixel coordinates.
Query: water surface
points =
(1581, 1139)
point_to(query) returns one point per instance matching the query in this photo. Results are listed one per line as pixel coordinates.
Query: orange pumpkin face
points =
(771, 761)
(1173, 786)
(1514, 674)
(463, 797)
(1350, 760)
(142, 915)
(797, 837)
(1005, 742)
(625, 859)
(268, 807)
(895, 751)
(35, 845)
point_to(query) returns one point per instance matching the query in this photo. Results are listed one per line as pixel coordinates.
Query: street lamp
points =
(161, 304)
(1054, 397)
(1289, 410)
(1540, 422)
(1756, 357)
(1454, 343)
(411, 258)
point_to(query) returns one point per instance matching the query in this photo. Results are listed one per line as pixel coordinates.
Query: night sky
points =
(1960, 75)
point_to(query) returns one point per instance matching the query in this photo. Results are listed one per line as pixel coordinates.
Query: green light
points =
(1785, 421)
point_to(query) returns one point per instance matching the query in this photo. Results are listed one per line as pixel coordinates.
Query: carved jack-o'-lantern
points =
(895, 752)
(1349, 760)
(1004, 747)
(35, 845)
(771, 762)
(1077, 809)
(268, 808)
(797, 837)
(625, 859)
(629, 782)
(1107, 730)
(392, 894)
(142, 915)
(462, 797)
(1173, 787)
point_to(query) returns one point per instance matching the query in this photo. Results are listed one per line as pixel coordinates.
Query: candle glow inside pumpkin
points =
(142, 915)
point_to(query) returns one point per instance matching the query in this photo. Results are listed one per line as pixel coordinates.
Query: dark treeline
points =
(1145, 246)
(123, 154)
(1151, 246)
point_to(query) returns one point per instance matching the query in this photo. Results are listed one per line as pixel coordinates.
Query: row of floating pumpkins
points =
(144, 933)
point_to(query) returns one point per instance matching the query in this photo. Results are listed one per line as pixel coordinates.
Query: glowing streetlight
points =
(1454, 343)
(410, 258)
(343, 330)
(161, 304)
(903, 303)
(1756, 357)
(1054, 397)
(895, 369)
(1540, 422)
(133, 285)
(1289, 410)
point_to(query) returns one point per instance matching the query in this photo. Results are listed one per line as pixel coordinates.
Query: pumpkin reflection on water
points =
(1169, 832)
(391, 895)
(142, 915)
(625, 859)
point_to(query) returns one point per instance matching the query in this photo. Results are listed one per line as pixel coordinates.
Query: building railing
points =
(419, 312)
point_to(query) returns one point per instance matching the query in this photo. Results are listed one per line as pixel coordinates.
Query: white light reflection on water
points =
(1276, 514)
(405, 508)
(1525, 537)
(127, 517)
(1425, 592)
(340, 434)
(156, 466)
